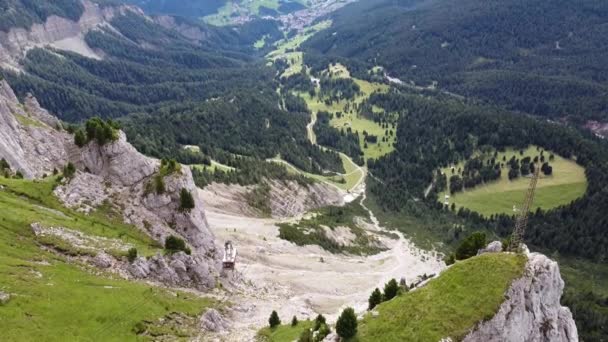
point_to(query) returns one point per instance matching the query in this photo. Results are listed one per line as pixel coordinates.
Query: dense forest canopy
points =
(541, 57)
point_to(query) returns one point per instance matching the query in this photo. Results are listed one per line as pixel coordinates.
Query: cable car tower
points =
(522, 220)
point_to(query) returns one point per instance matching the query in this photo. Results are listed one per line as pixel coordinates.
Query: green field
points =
(213, 167)
(53, 300)
(284, 332)
(352, 177)
(567, 183)
(449, 306)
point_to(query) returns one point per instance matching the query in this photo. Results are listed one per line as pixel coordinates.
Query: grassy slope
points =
(567, 183)
(469, 291)
(56, 301)
(284, 333)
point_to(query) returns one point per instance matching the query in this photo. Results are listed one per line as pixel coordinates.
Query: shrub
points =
(132, 254)
(391, 289)
(323, 332)
(101, 131)
(4, 164)
(274, 319)
(450, 259)
(471, 245)
(320, 320)
(305, 336)
(346, 327)
(294, 321)
(19, 175)
(174, 244)
(69, 170)
(374, 299)
(80, 138)
(186, 201)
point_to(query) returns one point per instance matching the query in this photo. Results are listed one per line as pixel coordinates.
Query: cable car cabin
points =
(229, 256)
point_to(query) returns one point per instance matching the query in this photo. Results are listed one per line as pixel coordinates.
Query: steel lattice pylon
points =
(522, 220)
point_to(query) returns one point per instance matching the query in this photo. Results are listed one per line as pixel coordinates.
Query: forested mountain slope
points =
(161, 68)
(541, 57)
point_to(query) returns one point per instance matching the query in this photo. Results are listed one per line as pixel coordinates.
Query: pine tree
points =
(346, 327)
(390, 289)
(274, 319)
(186, 201)
(294, 321)
(374, 299)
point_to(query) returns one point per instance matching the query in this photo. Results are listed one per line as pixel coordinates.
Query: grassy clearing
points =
(351, 118)
(346, 182)
(284, 333)
(567, 183)
(29, 122)
(468, 292)
(52, 300)
(213, 167)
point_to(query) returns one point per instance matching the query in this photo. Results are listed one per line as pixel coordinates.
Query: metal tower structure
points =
(522, 220)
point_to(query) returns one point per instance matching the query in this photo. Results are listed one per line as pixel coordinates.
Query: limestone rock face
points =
(213, 321)
(288, 199)
(30, 140)
(178, 269)
(532, 309)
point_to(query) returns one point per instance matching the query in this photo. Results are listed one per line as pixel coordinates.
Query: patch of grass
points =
(449, 306)
(53, 300)
(284, 333)
(213, 167)
(567, 183)
(33, 201)
(29, 122)
(345, 182)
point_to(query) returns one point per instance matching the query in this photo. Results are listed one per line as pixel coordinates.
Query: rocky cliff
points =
(531, 310)
(114, 174)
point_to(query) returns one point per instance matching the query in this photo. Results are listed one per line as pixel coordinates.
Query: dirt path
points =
(277, 275)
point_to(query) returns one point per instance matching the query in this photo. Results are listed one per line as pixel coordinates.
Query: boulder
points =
(4, 298)
(492, 247)
(103, 260)
(213, 321)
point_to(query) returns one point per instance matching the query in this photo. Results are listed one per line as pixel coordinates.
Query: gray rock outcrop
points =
(30, 141)
(4, 298)
(288, 198)
(178, 269)
(492, 247)
(532, 309)
(213, 321)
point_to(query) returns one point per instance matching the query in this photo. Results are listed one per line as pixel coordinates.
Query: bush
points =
(305, 336)
(132, 254)
(186, 201)
(173, 244)
(450, 259)
(374, 299)
(320, 320)
(294, 321)
(346, 327)
(471, 245)
(323, 332)
(391, 289)
(69, 170)
(101, 131)
(274, 319)
(4, 164)
(80, 138)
